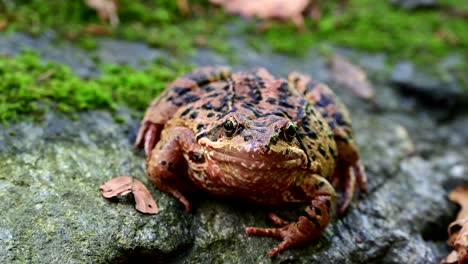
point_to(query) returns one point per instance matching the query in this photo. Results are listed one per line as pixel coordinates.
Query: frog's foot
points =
(306, 229)
(361, 176)
(123, 185)
(147, 136)
(351, 176)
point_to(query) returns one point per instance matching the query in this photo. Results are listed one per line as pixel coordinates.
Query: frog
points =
(256, 137)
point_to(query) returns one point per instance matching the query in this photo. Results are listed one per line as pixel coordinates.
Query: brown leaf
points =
(460, 196)
(97, 29)
(106, 9)
(123, 185)
(351, 77)
(183, 6)
(3, 24)
(458, 230)
(279, 9)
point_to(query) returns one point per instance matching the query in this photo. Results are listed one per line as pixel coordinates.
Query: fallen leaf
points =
(460, 196)
(351, 77)
(264, 9)
(46, 75)
(183, 6)
(97, 29)
(106, 9)
(3, 24)
(123, 185)
(458, 230)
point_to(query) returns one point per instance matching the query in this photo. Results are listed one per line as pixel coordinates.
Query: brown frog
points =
(254, 136)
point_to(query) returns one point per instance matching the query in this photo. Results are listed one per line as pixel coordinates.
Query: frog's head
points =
(263, 143)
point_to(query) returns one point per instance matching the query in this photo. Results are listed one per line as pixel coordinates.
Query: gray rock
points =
(412, 4)
(49, 184)
(83, 62)
(52, 212)
(434, 89)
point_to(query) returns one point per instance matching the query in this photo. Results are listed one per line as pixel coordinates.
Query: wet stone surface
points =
(52, 211)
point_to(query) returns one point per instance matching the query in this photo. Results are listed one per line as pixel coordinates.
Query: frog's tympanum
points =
(257, 137)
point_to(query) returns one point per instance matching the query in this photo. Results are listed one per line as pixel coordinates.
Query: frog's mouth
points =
(274, 158)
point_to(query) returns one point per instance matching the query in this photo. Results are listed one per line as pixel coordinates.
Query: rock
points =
(52, 210)
(49, 184)
(430, 88)
(412, 4)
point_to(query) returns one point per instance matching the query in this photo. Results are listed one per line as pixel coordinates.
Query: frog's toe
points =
(147, 137)
(259, 231)
(141, 134)
(349, 187)
(361, 176)
(278, 220)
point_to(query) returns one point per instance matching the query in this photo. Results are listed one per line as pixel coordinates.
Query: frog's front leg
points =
(180, 92)
(165, 168)
(308, 227)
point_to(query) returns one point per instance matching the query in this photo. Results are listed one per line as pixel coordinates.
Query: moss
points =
(158, 22)
(369, 25)
(30, 87)
(364, 24)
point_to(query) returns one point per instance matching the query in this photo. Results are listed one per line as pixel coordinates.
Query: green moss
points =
(370, 25)
(158, 22)
(364, 24)
(30, 87)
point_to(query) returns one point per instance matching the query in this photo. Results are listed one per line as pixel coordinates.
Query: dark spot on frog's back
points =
(191, 98)
(211, 114)
(284, 103)
(207, 106)
(193, 115)
(324, 101)
(332, 152)
(271, 100)
(310, 133)
(207, 88)
(339, 119)
(186, 111)
(181, 91)
(322, 150)
(200, 126)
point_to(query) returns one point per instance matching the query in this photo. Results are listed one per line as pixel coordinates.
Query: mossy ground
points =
(29, 87)
(423, 36)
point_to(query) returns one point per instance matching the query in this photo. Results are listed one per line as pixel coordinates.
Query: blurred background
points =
(76, 77)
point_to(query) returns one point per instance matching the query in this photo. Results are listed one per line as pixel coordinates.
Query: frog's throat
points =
(273, 158)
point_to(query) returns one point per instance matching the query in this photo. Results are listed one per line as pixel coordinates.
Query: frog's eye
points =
(230, 126)
(289, 132)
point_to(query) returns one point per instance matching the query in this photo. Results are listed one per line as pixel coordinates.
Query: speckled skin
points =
(254, 136)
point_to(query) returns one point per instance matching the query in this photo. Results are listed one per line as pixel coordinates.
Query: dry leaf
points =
(3, 24)
(460, 196)
(123, 185)
(106, 9)
(264, 9)
(351, 76)
(97, 29)
(458, 230)
(183, 6)
(46, 75)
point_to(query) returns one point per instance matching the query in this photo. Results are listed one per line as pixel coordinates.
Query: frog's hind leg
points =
(183, 90)
(349, 168)
(308, 227)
